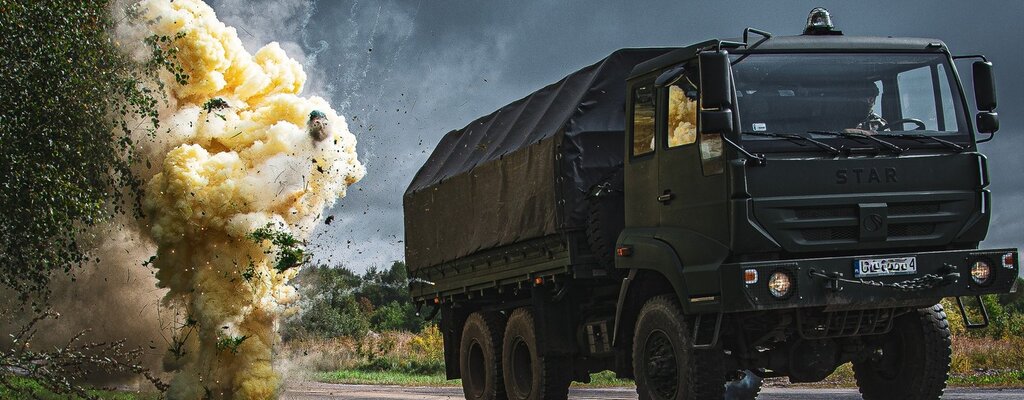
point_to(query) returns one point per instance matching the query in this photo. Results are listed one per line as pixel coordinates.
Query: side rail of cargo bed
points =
(506, 267)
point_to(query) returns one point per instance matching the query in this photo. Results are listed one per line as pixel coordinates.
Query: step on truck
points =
(699, 218)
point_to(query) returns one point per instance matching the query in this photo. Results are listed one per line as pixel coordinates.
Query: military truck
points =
(698, 218)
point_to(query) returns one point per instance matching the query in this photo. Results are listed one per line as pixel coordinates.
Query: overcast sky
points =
(406, 72)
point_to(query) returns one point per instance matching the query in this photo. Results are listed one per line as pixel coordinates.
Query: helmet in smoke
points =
(317, 125)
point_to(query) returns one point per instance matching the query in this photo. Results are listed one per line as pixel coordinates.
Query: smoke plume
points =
(239, 151)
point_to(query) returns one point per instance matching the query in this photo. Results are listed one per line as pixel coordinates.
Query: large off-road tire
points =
(530, 375)
(606, 218)
(744, 388)
(480, 357)
(913, 363)
(665, 365)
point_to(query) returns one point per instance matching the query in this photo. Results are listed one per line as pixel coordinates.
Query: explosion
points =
(250, 167)
(682, 117)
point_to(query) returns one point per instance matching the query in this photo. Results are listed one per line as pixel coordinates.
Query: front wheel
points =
(665, 365)
(912, 361)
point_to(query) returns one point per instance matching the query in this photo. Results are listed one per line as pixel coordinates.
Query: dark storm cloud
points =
(406, 72)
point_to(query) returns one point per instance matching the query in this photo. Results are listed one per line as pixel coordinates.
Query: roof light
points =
(819, 22)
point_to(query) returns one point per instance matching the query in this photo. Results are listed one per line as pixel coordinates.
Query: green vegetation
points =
(288, 250)
(71, 100)
(337, 302)
(23, 387)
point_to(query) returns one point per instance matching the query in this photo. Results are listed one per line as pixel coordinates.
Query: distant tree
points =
(68, 100)
(337, 302)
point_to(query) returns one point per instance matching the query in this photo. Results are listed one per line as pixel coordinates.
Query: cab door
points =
(691, 183)
(641, 162)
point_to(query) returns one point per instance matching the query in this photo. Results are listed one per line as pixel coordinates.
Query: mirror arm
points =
(970, 56)
(758, 159)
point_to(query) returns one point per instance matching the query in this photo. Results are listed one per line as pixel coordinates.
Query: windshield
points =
(859, 93)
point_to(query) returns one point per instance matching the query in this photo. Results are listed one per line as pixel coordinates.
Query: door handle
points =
(666, 197)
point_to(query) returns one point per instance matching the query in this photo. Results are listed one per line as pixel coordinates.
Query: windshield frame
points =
(964, 136)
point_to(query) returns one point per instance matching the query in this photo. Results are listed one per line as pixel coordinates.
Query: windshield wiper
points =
(896, 149)
(944, 142)
(795, 137)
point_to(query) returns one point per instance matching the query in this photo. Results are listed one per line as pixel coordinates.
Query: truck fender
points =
(653, 258)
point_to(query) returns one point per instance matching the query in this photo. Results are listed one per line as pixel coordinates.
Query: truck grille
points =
(830, 234)
(910, 230)
(815, 224)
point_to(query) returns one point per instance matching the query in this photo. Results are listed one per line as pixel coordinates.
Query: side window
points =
(643, 120)
(682, 111)
(947, 118)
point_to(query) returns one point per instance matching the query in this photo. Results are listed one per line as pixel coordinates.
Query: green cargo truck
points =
(699, 218)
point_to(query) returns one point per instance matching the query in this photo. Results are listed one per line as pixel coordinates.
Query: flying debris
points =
(318, 125)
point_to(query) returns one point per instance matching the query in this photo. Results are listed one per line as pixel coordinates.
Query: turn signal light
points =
(624, 251)
(750, 276)
(1008, 261)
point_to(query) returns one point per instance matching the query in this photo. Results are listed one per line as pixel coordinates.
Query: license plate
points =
(885, 267)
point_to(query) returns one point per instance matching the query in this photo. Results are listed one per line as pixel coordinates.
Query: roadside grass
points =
(32, 388)
(416, 360)
(356, 377)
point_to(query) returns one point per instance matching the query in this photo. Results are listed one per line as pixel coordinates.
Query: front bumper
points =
(813, 287)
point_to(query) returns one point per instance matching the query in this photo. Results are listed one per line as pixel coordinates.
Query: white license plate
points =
(885, 267)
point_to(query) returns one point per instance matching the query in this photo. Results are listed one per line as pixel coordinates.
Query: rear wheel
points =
(480, 357)
(912, 361)
(528, 374)
(665, 365)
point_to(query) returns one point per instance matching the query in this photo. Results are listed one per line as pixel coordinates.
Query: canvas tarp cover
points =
(523, 171)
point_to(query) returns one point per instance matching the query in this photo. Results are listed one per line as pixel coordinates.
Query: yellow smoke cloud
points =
(240, 157)
(682, 117)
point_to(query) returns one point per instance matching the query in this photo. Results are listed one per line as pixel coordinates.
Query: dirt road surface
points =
(324, 391)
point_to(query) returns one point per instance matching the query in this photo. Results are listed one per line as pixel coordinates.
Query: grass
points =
(977, 362)
(384, 378)
(33, 389)
(357, 377)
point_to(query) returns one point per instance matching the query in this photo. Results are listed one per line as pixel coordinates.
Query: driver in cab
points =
(871, 122)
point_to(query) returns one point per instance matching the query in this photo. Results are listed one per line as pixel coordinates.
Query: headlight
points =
(981, 272)
(779, 284)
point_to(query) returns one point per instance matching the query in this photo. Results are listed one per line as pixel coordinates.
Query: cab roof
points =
(795, 44)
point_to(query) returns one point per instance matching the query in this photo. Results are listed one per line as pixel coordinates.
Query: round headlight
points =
(779, 284)
(981, 272)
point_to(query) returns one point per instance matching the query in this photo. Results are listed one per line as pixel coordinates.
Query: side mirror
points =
(715, 80)
(987, 122)
(715, 93)
(984, 86)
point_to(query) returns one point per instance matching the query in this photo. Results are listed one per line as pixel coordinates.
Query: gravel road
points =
(324, 391)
